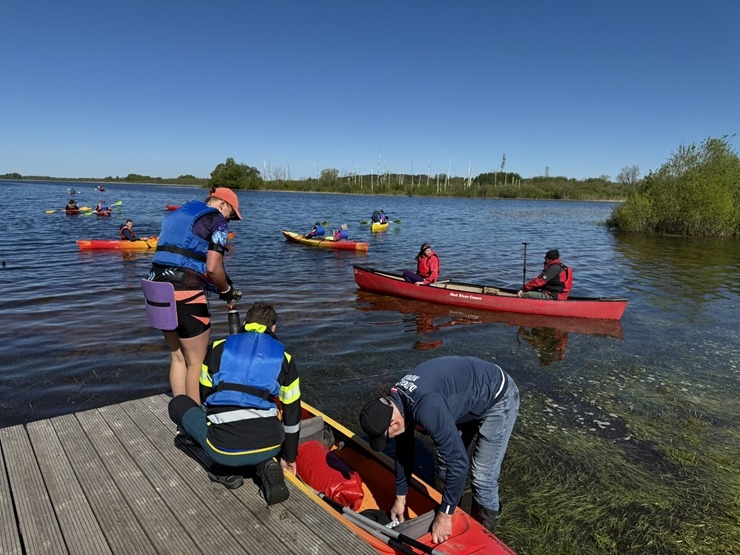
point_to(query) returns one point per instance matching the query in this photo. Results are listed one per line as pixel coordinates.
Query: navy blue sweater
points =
(436, 397)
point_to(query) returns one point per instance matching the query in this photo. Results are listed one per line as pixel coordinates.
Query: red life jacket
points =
(562, 285)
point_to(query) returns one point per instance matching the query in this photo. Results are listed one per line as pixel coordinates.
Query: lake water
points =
(74, 333)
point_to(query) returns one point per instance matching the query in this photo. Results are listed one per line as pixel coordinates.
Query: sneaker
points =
(225, 477)
(271, 482)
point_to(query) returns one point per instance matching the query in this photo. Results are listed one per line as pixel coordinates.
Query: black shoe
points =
(487, 517)
(184, 436)
(225, 476)
(271, 482)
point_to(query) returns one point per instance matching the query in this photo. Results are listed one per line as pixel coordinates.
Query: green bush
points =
(696, 192)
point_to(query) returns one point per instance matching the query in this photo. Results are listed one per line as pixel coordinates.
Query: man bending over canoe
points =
(443, 397)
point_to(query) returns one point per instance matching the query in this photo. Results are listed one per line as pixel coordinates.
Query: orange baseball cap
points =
(227, 195)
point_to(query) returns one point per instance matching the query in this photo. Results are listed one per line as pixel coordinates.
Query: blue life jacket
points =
(248, 373)
(320, 231)
(342, 234)
(183, 250)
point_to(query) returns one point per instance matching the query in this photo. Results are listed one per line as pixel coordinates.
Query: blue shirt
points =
(436, 397)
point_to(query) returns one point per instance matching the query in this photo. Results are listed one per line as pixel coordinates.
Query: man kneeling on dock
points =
(239, 424)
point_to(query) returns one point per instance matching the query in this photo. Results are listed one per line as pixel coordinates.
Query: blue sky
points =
(166, 88)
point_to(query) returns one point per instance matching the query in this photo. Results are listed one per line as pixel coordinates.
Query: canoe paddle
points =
(524, 269)
(365, 522)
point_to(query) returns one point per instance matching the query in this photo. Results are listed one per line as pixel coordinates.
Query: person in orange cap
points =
(190, 255)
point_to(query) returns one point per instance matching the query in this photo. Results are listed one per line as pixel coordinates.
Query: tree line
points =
(696, 192)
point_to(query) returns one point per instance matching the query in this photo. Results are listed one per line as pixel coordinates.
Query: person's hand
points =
(519, 293)
(441, 528)
(288, 467)
(419, 283)
(398, 508)
(230, 295)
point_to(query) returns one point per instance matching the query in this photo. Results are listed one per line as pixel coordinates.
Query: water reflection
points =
(692, 267)
(547, 335)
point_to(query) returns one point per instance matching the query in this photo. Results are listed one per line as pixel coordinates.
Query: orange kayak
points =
(327, 242)
(117, 244)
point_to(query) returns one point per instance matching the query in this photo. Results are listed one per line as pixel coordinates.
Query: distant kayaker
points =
(72, 205)
(239, 424)
(455, 400)
(342, 234)
(102, 207)
(190, 255)
(555, 281)
(127, 232)
(427, 267)
(317, 232)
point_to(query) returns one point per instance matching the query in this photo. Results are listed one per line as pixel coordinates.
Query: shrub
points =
(696, 192)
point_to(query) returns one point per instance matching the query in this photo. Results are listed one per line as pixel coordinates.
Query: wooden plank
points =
(301, 525)
(80, 529)
(155, 517)
(173, 491)
(37, 522)
(123, 532)
(10, 541)
(259, 528)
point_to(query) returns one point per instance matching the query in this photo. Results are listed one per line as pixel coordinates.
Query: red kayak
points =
(172, 207)
(102, 212)
(72, 212)
(488, 297)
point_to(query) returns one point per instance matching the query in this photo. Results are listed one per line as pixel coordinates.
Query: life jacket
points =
(123, 237)
(423, 267)
(319, 231)
(560, 286)
(248, 372)
(341, 234)
(183, 249)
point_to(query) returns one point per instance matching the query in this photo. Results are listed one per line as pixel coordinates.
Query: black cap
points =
(553, 254)
(375, 418)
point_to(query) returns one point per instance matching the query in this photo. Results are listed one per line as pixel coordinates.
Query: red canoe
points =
(347, 471)
(327, 243)
(488, 297)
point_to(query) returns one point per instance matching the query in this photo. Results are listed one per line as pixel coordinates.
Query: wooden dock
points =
(117, 480)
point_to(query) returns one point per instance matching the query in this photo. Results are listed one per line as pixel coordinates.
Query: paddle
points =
(366, 523)
(524, 269)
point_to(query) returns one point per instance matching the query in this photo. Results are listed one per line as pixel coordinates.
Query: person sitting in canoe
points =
(383, 217)
(341, 234)
(427, 267)
(455, 400)
(239, 424)
(127, 232)
(375, 218)
(317, 232)
(554, 283)
(102, 207)
(72, 205)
